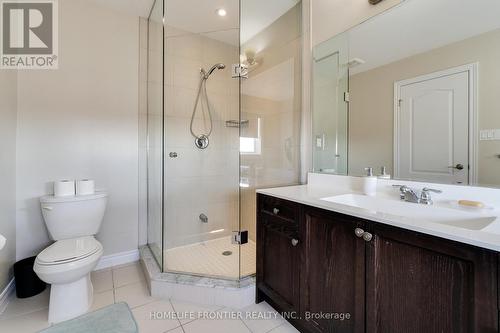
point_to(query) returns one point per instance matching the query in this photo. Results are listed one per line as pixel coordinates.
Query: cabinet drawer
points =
(280, 208)
(282, 226)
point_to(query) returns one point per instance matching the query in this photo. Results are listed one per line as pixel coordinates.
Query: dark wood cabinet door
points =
(332, 272)
(278, 260)
(418, 283)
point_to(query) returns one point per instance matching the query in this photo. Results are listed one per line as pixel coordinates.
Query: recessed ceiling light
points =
(221, 12)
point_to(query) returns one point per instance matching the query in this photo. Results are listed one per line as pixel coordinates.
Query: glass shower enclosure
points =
(224, 96)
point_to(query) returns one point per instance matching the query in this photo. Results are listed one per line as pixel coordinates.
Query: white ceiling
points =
(133, 7)
(199, 16)
(256, 15)
(417, 26)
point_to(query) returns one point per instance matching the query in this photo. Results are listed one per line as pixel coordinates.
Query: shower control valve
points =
(203, 218)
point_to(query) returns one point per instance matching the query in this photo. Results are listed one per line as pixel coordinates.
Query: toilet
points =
(72, 222)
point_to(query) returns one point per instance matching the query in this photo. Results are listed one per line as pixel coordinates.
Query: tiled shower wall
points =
(199, 181)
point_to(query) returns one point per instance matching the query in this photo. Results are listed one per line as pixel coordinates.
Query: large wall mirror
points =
(415, 89)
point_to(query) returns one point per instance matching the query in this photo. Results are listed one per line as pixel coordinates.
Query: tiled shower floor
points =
(206, 259)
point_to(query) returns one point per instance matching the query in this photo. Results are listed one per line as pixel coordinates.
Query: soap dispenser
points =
(369, 183)
(384, 174)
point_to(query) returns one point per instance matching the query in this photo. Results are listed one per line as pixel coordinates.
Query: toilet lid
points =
(67, 250)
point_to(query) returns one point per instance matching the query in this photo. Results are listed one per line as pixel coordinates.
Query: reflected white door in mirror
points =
(424, 99)
(434, 127)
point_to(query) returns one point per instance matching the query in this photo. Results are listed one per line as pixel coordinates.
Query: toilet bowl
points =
(66, 264)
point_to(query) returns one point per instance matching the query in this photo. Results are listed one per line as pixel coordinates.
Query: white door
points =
(432, 129)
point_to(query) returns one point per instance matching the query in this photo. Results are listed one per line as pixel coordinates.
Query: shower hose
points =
(200, 97)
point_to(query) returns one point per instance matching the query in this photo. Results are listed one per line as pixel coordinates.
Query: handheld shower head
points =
(214, 67)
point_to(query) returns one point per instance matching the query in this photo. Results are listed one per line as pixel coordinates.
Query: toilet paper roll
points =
(64, 188)
(85, 187)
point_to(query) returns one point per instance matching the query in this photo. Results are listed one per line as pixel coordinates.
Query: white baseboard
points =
(117, 259)
(105, 262)
(6, 295)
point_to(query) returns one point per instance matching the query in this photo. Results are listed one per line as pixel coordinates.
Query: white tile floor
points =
(127, 284)
(206, 258)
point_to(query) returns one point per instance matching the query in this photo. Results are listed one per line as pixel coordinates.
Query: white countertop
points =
(322, 186)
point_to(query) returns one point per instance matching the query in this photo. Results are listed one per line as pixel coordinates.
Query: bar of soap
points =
(469, 203)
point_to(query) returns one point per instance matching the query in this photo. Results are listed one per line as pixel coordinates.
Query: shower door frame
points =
(163, 265)
(159, 261)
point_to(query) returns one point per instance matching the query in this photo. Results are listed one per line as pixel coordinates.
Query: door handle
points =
(295, 242)
(458, 167)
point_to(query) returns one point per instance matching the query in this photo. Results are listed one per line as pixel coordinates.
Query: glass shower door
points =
(271, 103)
(201, 177)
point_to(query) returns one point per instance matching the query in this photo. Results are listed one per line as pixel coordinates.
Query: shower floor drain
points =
(227, 253)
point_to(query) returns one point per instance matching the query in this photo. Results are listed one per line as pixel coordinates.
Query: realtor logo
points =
(29, 34)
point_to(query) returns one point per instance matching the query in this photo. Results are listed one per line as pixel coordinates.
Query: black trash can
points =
(27, 282)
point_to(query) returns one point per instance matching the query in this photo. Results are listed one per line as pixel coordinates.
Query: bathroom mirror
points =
(414, 89)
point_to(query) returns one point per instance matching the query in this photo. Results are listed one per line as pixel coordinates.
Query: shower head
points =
(214, 67)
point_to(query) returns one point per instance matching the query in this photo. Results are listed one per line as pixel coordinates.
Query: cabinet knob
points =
(359, 232)
(367, 236)
(276, 211)
(295, 242)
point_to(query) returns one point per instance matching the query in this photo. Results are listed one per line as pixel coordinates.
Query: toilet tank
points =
(73, 216)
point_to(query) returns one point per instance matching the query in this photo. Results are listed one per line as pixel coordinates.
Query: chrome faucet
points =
(409, 195)
(425, 195)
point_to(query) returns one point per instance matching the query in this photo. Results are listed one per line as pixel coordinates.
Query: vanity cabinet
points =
(332, 271)
(420, 283)
(278, 254)
(386, 279)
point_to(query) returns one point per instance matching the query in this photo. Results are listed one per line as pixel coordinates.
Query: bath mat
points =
(115, 318)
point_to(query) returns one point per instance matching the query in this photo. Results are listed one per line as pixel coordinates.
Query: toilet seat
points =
(66, 266)
(56, 267)
(69, 250)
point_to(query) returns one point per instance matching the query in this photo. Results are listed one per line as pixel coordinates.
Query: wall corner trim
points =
(117, 259)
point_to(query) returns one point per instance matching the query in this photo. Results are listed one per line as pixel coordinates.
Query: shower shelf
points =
(236, 123)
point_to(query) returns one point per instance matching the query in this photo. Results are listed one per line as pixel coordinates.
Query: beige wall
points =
(81, 121)
(279, 111)
(8, 106)
(331, 17)
(372, 98)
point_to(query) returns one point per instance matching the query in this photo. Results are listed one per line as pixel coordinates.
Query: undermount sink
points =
(452, 217)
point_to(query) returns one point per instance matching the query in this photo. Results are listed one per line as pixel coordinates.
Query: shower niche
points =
(223, 115)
